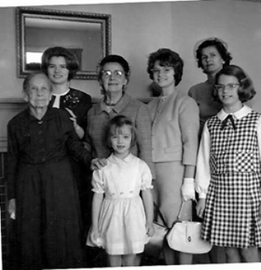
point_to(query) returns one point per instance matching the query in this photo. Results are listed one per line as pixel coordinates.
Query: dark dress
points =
(80, 103)
(40, 178)
(77, 101)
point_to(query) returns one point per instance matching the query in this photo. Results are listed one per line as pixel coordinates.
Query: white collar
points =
(245, 110)
(63, 94)
(114, 159)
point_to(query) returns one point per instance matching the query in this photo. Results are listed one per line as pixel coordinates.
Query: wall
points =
(140, 28)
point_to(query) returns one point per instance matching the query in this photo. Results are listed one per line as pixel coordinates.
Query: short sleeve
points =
(146, 177)
(98, 181)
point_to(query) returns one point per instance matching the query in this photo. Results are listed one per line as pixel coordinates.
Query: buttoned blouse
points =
(203, 174)
(35, 142)
(175, 128)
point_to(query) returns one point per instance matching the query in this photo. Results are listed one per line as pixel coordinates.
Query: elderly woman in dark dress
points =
(42, 191)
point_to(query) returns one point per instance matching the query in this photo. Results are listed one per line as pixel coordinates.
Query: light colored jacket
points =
(175, 128)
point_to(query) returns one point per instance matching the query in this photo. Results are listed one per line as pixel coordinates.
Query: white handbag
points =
(184, 236)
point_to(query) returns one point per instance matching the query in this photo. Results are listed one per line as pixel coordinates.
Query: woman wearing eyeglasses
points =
(175, 129)
(211, 55)
(113, 76)
(228, 170)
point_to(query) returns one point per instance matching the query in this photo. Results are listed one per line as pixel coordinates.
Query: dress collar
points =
(125, 99)
(63, 94)
(245, 110)
(112, 158)
(48, 114)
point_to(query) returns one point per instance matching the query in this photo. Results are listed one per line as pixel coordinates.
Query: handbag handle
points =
(160, 214)
(180, 211)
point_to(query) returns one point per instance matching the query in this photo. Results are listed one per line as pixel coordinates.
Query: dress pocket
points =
(244, 162)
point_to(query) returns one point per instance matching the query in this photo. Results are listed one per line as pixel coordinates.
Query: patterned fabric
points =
(98, 118)
(231, 215)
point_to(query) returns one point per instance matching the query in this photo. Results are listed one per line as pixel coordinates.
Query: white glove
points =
(188, 189)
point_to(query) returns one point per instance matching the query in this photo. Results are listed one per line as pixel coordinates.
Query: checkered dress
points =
(231, 217)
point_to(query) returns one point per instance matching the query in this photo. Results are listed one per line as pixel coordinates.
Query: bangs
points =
(115, 130)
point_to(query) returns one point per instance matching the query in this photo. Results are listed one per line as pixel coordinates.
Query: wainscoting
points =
(8, 109)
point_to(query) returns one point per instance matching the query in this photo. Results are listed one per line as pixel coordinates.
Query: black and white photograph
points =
(130, 134)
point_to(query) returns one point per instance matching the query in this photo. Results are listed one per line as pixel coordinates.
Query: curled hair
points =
(118, 122)
(31, 76)
(246, 89)
(71, 61)
(166, 58)
(221, 47)
(114, 58)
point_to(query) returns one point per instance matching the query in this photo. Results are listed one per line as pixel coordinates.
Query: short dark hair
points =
(246, 89)
(219, 45)
(118, 122)
(169, 58)
(72, 63)
(32, 75)
(114, 58)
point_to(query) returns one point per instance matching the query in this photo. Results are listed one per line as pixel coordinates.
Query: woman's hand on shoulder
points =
(98, 163)
(201, 207)
(73, 118)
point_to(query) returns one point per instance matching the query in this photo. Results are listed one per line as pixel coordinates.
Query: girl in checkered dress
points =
(228, 177)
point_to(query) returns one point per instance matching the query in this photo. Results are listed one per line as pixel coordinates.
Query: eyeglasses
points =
(229, 86)
(164, 70)
(115, 73)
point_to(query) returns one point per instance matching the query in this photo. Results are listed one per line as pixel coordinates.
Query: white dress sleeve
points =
(203, 174)
(146, 177)
(98, 181)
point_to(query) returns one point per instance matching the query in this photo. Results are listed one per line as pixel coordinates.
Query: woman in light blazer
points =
(175, 127)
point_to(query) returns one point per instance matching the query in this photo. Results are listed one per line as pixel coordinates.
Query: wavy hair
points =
(219, 44)
(246, 89)
(72, 63)
(169, 58)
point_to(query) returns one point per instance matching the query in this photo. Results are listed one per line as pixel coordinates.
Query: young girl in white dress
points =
(229, 170)
(122, 220)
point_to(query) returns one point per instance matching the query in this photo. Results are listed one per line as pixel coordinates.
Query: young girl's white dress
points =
(122, 216)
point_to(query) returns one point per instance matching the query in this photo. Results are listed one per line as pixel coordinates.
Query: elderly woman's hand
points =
(11, 208)
(98, 163)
